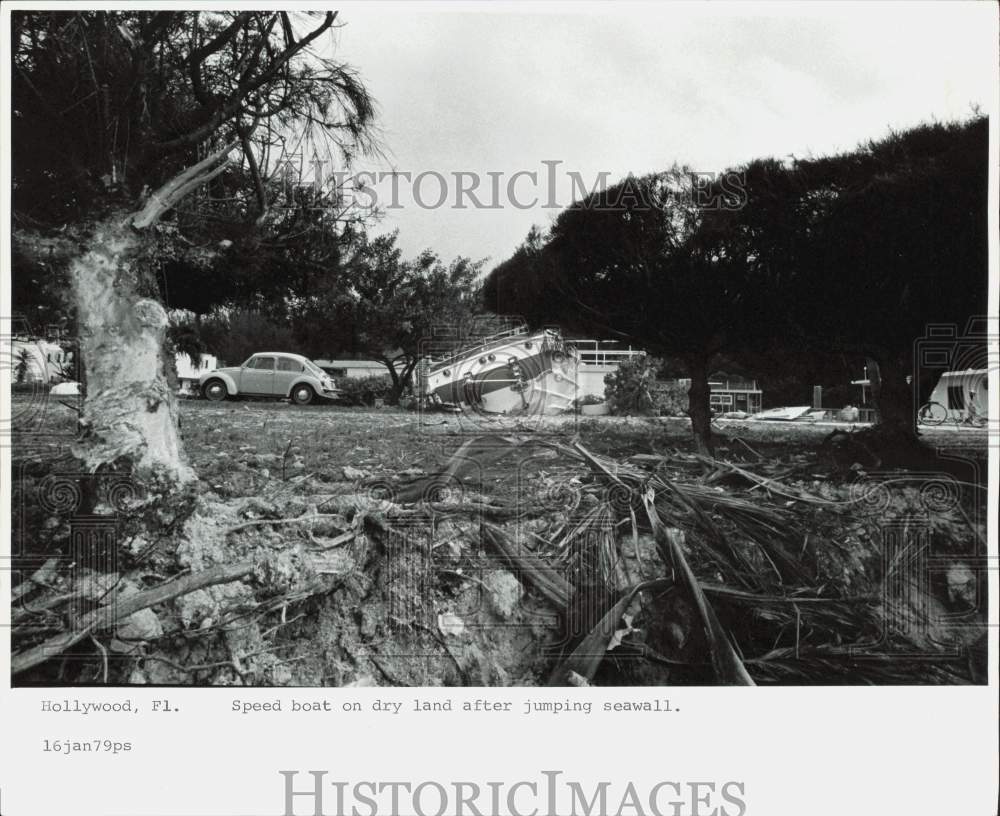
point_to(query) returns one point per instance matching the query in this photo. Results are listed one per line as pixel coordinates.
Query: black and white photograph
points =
(500, 346)
(456, 408)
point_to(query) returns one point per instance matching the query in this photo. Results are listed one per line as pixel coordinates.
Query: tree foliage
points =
(860, 252)
(111, 104)
(849, 254)
(621, 264)
(386, 307)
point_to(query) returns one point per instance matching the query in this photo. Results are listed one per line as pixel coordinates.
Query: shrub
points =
(364, 390)
(629, 389)
(634, 389)
(23, 364)
(671, 399)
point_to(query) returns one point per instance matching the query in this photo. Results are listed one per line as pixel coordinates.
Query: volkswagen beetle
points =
(270, 374)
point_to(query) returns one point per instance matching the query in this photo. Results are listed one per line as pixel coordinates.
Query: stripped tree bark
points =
(130, 411)
(170, 85)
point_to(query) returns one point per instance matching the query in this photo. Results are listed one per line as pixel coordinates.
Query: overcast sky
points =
(621, 89)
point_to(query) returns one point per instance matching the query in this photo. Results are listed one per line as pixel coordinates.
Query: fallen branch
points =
(296, 520)
(106, 616)
(38, 578)
(528, 566)
(586, 658)
(728, 667)
(470, 458)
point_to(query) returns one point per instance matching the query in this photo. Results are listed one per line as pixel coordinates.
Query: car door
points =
(289, 369)
(257, 377)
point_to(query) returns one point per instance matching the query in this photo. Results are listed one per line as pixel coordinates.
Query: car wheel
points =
(215, 390)
(302, 394)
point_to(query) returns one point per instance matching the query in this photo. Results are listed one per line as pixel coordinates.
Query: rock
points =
(141, 625)
(961, 585)
(451, 624)
(369, 624)
(354, 474)
(505, 592)
(194, 607)
(96, 586)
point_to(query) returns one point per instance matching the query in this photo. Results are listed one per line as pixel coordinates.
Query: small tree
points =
(22, 367)
(390, 306)
(630, 389)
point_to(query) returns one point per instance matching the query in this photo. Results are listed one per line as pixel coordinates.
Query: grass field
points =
(279, 440)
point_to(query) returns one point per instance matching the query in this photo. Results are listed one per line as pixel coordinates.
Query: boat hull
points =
(527, 374)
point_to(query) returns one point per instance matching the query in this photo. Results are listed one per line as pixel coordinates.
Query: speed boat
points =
(513, 372)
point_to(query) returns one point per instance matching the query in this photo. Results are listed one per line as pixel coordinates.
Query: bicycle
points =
(932, 413)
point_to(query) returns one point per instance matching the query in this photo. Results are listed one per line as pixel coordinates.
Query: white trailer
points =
(957, 390)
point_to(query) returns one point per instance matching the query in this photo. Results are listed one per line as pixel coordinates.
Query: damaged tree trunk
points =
(130, 411)
(893, 397)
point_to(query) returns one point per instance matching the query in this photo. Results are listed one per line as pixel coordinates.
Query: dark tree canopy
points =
(617, 264)
(109, 103)
(860, 251)
(855, 253)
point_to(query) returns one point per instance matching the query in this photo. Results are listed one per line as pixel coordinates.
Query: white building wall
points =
(187, 370)
(590, 379)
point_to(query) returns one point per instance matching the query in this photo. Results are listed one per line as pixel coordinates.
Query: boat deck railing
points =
(487, 343)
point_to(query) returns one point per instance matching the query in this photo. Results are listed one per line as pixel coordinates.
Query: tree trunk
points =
(699, 404)
(397, 387)
(406, 378)
(130, 412)
(893, 398)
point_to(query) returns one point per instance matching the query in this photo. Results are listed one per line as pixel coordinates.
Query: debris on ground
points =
(519, 559)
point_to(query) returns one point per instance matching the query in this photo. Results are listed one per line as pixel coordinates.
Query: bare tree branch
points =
(239, 96)
(167, 196)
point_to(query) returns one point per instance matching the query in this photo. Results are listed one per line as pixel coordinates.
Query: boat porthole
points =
(482, 361)
(527, 344)
(492, 357)
(447, 372)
